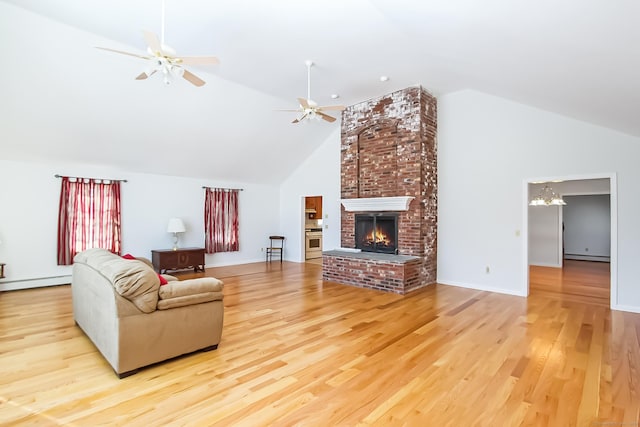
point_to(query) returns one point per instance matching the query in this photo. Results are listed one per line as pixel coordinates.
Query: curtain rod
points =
(81, 177)
(226, 189)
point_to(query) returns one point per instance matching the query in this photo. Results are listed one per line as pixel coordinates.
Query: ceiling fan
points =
(162, 58)
(310, 109)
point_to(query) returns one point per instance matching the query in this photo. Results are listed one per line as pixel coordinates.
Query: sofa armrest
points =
(187, 292)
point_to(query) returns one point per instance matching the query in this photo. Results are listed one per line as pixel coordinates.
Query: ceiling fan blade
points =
(198, 60)
(298, 120)
(303, 103)
(124, 53)
(144, 75)
(326, 116)
(332, 107)
(152, 41)
(192, 78)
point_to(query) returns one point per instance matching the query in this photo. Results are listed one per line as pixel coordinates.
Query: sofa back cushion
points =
(131, 279)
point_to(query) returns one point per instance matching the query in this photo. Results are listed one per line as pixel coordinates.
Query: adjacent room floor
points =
(584, 281)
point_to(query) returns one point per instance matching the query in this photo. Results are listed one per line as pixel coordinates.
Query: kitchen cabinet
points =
(309, 202)
(314, 202)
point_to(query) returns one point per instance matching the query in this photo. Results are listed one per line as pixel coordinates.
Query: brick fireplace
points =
(389, 168)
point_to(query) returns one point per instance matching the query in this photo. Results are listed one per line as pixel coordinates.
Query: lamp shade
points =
(176, 226)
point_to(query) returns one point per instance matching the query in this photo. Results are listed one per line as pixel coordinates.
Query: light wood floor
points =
(581, 281)
(297, 351)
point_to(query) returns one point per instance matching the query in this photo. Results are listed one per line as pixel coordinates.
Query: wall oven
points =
(313, 245)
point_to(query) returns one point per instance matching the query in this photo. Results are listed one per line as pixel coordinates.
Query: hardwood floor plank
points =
(299, 351)
(590, 396)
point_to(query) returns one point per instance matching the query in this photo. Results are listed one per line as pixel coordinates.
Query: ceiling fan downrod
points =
(162, 27)
(309, 65)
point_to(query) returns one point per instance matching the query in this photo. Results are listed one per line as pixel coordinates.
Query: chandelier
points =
(547, 197)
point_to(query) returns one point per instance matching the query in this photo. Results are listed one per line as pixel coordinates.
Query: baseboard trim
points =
(41, 282)
(480, 288)
(542, 264)
(628, 308)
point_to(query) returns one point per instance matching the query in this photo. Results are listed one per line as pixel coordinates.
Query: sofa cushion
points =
(165, 304)
(132, 279)
(187, 292)
(181, 288)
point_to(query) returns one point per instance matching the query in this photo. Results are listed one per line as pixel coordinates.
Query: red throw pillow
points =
(128, 256)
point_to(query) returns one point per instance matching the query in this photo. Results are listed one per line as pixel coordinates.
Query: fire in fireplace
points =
(377, 232)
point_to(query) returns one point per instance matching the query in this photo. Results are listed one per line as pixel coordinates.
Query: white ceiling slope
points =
(64, 99)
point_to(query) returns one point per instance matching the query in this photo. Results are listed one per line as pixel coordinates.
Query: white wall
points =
(318, 175)
(587, 222)
(487, 147)
(29, 197)
(544, 230)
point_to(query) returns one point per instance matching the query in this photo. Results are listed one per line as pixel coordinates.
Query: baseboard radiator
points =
(39, 282)
(580, 257)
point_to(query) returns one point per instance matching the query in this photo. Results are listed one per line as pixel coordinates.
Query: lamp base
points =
(175, 241)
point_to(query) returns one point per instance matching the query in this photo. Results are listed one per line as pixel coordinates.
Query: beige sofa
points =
(135, 322)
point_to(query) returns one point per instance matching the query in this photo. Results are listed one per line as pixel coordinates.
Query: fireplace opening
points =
(377, 232)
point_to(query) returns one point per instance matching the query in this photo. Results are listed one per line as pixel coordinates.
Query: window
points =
(221, 220)
(89, 217)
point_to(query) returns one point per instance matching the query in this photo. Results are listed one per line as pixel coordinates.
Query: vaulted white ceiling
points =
(63, 99)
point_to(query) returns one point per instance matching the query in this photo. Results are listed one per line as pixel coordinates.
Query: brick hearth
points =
(389, 149)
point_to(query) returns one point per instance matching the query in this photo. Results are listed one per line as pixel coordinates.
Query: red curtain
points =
(89, 217)
(221, 220)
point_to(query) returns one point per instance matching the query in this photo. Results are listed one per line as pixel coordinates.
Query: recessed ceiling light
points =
(335, 96)
(384, 78)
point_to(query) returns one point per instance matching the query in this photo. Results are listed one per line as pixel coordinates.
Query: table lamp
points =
(175, 226)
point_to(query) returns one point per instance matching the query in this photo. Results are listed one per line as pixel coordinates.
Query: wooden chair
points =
(276, 245)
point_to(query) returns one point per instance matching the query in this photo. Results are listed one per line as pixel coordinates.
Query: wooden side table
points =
(2, 270)
(168, 259)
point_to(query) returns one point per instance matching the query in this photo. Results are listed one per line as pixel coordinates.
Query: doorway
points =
(313, 229)
(582, 278)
